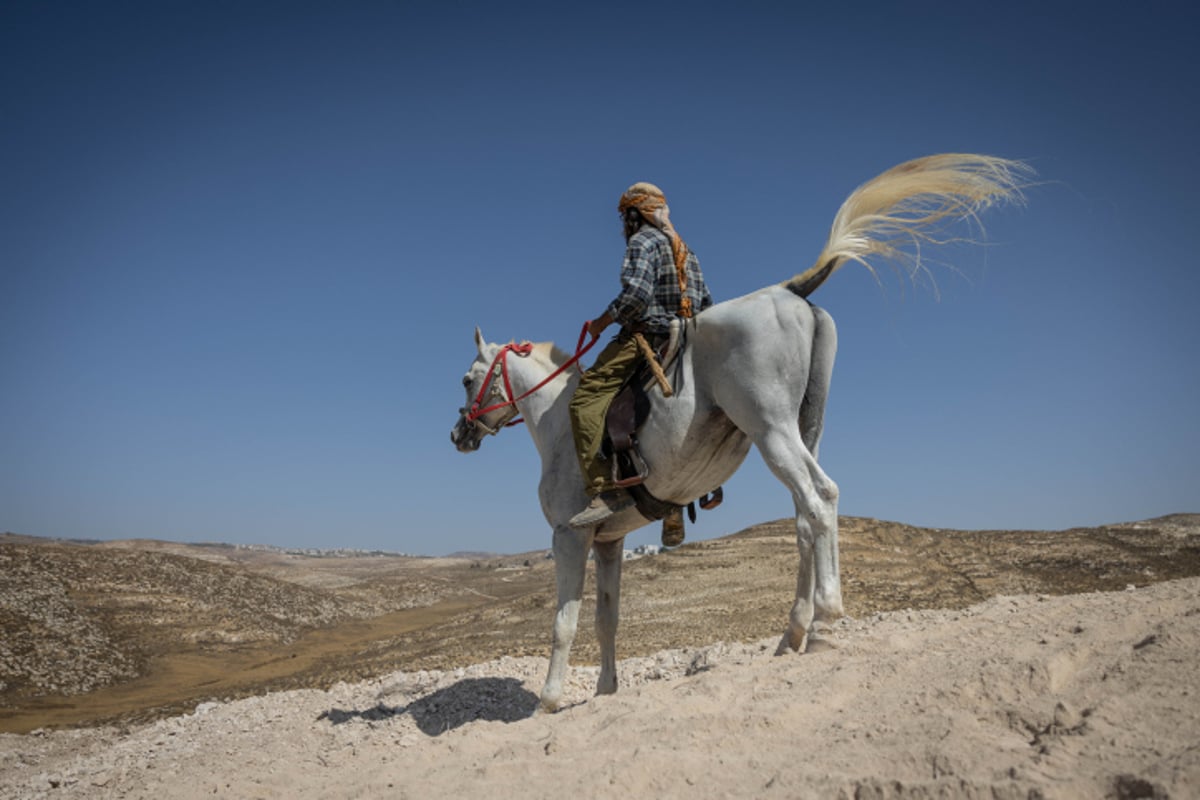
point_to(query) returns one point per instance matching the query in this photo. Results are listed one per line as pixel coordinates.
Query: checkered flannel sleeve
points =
(644, 292)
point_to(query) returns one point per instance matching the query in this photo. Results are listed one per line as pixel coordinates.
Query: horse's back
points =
(754, 318)
(767, 339)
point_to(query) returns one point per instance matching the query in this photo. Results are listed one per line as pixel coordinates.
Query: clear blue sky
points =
(243, 247)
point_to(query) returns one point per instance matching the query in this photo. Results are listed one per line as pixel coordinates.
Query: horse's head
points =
(485, 390)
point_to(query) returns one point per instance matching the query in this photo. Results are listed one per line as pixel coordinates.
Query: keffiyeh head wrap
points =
(650, 201)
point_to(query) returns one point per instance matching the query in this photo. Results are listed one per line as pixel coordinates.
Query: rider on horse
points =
(660, 279)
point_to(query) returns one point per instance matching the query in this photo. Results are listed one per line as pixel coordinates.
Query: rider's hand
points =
(597, 326)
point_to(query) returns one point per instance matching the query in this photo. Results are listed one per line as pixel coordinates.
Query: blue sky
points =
(244, 246)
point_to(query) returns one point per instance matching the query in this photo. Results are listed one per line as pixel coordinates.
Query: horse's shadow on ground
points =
(471, 699)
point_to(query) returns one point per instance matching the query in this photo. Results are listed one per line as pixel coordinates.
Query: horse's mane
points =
(551, 352)
(912, 204)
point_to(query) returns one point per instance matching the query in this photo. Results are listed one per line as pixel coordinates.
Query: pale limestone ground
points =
(1088, 695)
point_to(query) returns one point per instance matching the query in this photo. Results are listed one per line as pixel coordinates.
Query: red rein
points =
(523, 349)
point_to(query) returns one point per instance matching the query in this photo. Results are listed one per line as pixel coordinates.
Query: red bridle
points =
(500, 364)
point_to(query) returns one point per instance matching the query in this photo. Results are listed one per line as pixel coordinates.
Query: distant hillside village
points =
(317, 552)
(349, 552)
(323, 552)
(627, 554)
(643, 550)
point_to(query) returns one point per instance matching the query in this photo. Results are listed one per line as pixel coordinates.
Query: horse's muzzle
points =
(465, 436)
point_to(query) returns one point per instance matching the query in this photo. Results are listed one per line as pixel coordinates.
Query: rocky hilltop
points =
(132, 630)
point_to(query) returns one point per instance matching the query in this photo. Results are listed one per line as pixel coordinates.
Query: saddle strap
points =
(656, 368)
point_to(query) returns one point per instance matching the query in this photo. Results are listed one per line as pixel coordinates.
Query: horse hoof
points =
(819, 644)
(786, 645)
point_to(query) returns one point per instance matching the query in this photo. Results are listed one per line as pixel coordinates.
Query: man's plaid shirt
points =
(649, 297)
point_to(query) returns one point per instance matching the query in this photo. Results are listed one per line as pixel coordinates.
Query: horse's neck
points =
(545, 411)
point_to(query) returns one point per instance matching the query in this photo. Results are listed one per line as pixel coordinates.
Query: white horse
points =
(756, 370)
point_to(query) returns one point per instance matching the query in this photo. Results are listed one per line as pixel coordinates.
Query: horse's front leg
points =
(609, 557)
(570, 565)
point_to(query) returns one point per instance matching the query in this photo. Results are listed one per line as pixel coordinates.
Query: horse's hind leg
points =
(822, 353)
(812, 419)
(570, 565)
(608, 601)
(815, 497)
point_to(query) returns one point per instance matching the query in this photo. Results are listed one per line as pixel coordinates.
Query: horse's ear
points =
(479, 343)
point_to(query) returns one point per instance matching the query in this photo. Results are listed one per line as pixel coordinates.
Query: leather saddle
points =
(626, 414)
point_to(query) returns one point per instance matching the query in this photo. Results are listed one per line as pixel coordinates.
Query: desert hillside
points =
(1018, 696)
(139, 630)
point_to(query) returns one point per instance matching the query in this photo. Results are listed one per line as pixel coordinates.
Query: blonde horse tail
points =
(910, 205)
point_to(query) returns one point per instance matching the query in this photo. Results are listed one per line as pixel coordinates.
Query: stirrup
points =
(641, 469)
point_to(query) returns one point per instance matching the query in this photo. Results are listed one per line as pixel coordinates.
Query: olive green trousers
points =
(597, 388)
